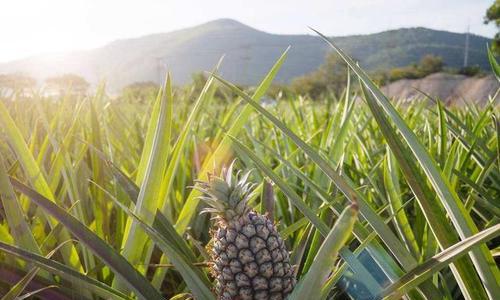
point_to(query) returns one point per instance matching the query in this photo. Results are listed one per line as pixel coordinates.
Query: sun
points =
(33, 27)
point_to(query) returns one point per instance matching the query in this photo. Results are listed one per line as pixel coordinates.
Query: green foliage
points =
(329, 77)
(471, 71)
(16, 83)
(96, 191)
(429, 64)
(198, 81)
(409, 72)
(68, 83)
(493, 15)
(140, 91)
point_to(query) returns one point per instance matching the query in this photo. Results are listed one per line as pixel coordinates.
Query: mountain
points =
(249, 53)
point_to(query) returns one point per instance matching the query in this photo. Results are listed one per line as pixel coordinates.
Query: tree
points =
(430, 64)
(140, 91)
(470, 71)
(68, 82)
(17, 81)
(408, 72)
(198, 81)
(331, 76)
(493, 15)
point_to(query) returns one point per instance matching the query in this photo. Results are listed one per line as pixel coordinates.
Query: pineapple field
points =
(215, 194)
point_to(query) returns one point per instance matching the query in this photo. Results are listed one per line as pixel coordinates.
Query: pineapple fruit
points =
(250, 260)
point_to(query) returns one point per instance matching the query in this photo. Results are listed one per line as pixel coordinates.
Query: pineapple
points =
(250, 260)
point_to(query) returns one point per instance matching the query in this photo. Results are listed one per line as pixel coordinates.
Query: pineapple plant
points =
(250, 260)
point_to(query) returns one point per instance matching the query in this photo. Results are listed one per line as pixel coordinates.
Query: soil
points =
(450, 88)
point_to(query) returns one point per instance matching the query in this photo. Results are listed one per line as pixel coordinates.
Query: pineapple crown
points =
(227, 195)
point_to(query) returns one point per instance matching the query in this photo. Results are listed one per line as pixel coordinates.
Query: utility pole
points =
(466, 52)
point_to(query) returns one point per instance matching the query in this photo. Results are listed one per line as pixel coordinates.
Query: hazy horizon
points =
(78, 25)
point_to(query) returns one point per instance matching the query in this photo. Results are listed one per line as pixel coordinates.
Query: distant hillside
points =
(249, 54)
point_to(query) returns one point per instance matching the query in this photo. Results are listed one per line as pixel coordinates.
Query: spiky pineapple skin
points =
(250, 259)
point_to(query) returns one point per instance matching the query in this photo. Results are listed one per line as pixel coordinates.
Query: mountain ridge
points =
(249, 54)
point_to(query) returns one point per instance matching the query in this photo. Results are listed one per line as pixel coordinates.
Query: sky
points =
(30, 27)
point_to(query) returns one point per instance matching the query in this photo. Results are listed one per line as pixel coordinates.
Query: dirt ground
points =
(452, 89)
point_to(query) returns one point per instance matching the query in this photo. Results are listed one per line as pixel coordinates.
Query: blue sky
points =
(29, 27)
